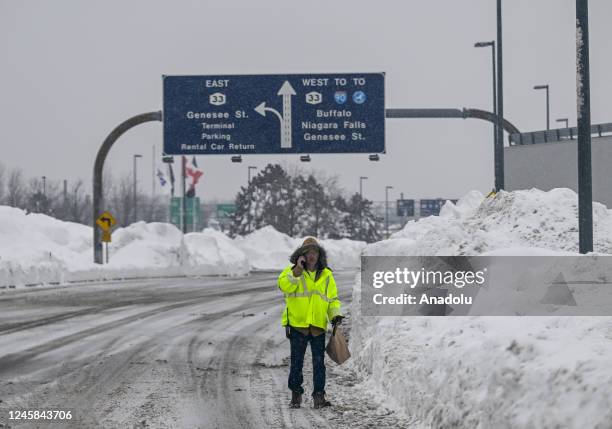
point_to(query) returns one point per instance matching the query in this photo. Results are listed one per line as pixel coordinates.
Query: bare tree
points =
(76, 204)
(15, 189)
(53, 198)
(154, 209)
(122, 200)
(2, 184)
(36, 201)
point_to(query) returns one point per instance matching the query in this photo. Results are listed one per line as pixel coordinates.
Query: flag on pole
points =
(161, 176)
(193, 162)
(171, 174)
(193, 172)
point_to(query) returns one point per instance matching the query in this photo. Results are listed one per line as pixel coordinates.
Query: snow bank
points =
(40, 249)
(491, 372)
(343, 254)
(37, 248)
(158, 249)
(500, 372)
(269, 249)
(476, 225)
(213, 252)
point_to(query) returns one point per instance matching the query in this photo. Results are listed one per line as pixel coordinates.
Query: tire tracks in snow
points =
(206, 369)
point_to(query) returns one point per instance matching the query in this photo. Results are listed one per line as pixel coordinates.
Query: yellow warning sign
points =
(106, 221)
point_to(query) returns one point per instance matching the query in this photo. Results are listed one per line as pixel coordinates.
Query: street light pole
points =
(249, 175)
(547, 104)
(153, 171)
(44, 193)
(135, 201)
(250, 196)
(361, 179)
(496, 163)
(387, 210)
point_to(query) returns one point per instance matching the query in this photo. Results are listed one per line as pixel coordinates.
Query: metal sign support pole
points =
(98, 194)
(183, 201)
(583, 91)
(499, 149)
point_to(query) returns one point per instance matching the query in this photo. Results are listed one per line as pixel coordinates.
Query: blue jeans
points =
(299, 342)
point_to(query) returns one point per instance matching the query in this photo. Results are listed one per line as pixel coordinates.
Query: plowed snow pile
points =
(533, 219)
(268, 249)
(39, 249)
(492, 372)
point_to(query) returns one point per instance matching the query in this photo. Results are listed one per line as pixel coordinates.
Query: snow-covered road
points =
(185, 353)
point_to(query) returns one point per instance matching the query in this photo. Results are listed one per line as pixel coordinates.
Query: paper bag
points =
(337, 347)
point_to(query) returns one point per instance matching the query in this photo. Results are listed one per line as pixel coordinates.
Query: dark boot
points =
(296, 400)
(319, 400)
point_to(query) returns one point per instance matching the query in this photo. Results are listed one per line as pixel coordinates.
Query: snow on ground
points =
(475, 225)
(159, 249)
(39, 249)
(492, 372)
(268, 249)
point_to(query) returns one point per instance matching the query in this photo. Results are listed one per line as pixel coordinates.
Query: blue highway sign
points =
(274, 114)
(405, 208)
(431, 207)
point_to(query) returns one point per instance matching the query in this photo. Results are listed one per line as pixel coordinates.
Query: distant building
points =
(549, 159)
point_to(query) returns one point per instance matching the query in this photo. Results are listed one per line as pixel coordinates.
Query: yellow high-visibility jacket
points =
(309, 302)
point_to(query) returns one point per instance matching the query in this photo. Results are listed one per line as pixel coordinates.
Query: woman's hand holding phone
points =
(299, 266)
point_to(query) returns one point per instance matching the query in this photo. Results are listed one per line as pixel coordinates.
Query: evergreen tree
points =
(361, 222)
(343, 222)
(268, 200)
(302, 205)
(240, 219)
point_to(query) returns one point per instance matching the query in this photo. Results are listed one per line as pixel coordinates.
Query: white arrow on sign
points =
(286, 91)
(262, 109)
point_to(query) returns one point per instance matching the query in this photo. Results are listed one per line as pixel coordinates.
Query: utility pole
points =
(583, 92)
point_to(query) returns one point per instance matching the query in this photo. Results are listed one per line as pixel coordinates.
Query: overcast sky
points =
(73, 70)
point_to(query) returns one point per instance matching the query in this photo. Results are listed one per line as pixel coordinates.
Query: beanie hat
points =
(310, 241)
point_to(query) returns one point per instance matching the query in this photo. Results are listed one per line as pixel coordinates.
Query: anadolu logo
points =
(340, 97)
